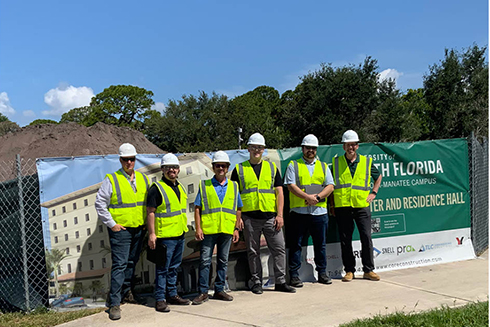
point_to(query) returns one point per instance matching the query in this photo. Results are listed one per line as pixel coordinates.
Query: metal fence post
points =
(23, 231)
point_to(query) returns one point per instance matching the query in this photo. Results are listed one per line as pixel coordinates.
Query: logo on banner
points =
(427, 247)
(404, 249)
(376, 252)
(460, 240)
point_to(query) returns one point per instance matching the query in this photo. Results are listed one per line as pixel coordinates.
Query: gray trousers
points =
(253, 228)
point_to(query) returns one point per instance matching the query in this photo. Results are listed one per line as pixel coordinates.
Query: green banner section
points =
(425, 186)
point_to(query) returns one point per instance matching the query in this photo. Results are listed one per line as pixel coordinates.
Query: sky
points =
(56, 55)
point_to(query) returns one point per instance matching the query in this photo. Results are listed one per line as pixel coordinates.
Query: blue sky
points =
(55, 55)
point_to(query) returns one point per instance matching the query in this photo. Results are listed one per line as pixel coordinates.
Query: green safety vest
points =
(351, 191)
(303, 179)
(217, 217)
(126, 207)
(257, 194)
(170, 216)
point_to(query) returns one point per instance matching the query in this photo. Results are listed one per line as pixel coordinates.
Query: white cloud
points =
(28, 113)
(233, 91)
(389, 73)
(159, 106)
(66, 97)
(5, 107)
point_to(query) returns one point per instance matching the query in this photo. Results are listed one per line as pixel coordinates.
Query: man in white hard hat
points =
(218, 219)
(352, 196)
(120, 205)
(309, 183)
(263, 200)
(167, 225)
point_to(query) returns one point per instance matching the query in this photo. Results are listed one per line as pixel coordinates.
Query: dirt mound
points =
(71, 139)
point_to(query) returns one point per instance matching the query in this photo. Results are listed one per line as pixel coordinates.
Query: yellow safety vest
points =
(126, 207)
(257, 194)
(303, 179)
(217, 217)
(351, 191)
(170, 216)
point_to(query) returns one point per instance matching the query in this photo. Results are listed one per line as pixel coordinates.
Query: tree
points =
(53, 261)
(8, 127)
(77, 115)
(43, 121)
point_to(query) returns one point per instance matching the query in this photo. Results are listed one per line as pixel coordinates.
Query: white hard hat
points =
(310, 140)
(127, 150)
(350, 136)
(220, 156)
(169, 159)
(256, 139)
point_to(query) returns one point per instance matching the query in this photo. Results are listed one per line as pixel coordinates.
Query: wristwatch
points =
(374, 192)
(318, 198)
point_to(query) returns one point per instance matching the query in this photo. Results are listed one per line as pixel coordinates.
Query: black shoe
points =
(296, 282)
(284, 288)
(324, 279)
(177, 300)
(257, 289)
(161, 306)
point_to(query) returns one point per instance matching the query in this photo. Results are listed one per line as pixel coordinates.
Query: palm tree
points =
(53, 260)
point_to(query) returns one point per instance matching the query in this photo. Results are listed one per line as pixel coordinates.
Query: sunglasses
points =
(257, 148)
(133, 159)
(310, 148)
(171, 167)
(220, 165)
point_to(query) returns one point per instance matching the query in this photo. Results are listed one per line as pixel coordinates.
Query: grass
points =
(470, 315)
(42, 317)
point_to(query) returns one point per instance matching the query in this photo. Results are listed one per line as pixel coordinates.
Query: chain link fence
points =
(478, 157)
(23, 277)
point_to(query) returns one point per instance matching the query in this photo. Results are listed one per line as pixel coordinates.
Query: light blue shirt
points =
(290, 178)
(220, 190)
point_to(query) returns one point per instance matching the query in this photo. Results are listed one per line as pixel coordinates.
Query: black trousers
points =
(345, 221)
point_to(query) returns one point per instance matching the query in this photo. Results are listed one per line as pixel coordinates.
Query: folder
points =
(159, 255)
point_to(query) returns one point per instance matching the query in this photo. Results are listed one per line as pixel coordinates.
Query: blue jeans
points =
(125, 252)
(166, 276)
(317, 228)
(223, 242)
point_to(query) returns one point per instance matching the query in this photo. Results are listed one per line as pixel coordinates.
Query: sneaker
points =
(200, 299)
(348, 277)
(371, 276)
(296, 282)
(223, 296)
(324, 279)
(115, 312)
(257, 289)
(284, 288)
(161, 306)
(177, 300)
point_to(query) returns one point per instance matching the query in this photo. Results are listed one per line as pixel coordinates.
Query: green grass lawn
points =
(43, 317)
(470, 315)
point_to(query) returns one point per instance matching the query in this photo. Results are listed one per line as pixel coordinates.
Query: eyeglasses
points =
(257, 148)
(133, 159)
(351, 144)
(310, 148)
(171, 167)
(220, 165)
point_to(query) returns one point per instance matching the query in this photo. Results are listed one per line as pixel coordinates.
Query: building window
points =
(101, 229)
(77, 234)
(102, 243)
(67, 250)
(65, 223)
(74, 206)
(79, 267)
(190, 188)
(63, 209)
(191, 207)
(91, 264)
(78, 249)
(90, 246)
(154, 179)
(188, 170)
(69, 268)
(53, 212)
(87, 217)
(104, 263)
(85, 202)
(66, 237)
(55, 227)
(75, 220)
(56, 239)
(88, 232)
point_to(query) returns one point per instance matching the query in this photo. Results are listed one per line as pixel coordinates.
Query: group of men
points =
(252, 201)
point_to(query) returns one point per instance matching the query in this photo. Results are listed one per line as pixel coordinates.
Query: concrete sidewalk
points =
(408, 290)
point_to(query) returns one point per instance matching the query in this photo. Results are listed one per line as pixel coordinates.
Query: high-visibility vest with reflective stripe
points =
(217, 217)
(126, 207)
(257, 194)
(303, 179)
(170, 216)
(351, 191)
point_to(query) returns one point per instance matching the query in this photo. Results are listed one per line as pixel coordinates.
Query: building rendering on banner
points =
(76, 230)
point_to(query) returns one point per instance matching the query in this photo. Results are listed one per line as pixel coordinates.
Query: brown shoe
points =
(200, 299)
(177, 300)
(371, 276)
(222, 296)
(129, 298)
(115, 312)
(348, 277)
(161, 306)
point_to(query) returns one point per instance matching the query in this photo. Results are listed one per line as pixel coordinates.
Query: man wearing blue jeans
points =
(309, 182)
(218, 219)
(167, 225)
(120, 205)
